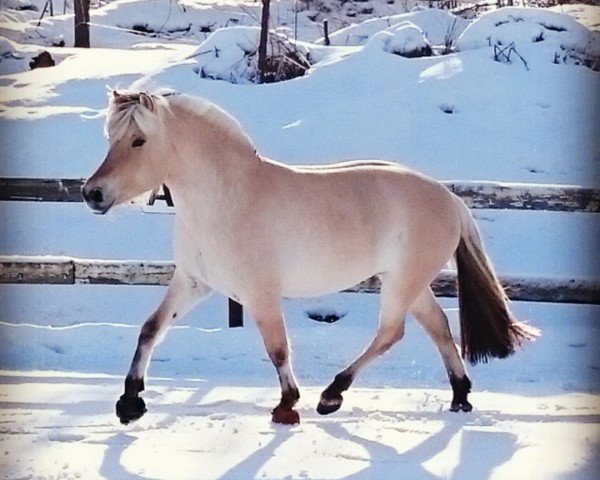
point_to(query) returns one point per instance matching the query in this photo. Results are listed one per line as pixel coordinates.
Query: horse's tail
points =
(488, 328)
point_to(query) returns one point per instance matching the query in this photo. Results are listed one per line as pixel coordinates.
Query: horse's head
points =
(135, 162)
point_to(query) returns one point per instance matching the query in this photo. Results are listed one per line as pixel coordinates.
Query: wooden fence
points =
(71, 271)
(477, 195)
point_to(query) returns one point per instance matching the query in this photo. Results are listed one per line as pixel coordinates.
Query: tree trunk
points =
(264, 37)
(82, 23)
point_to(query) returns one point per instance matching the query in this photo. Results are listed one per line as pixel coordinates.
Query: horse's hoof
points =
(130, 409)
(458, 406)
(329, 405)
(285, 416)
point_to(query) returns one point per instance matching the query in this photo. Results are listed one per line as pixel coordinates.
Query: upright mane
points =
(229, 126)
(129, 109)
(145, 112)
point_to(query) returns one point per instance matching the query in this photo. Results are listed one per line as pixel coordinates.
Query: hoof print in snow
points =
(448, 108)
(129, 409)
(325, 316)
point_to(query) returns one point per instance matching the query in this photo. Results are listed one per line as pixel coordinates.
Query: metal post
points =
(236, 314)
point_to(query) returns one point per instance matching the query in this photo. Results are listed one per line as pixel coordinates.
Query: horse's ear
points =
(147, 101)
(117, 97)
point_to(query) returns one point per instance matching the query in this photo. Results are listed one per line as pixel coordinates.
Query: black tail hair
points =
(488, 328)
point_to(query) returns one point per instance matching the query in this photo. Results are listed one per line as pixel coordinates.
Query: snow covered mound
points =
(15, 57)
(586, 14)
(19, 5)
(438, 26)
(166, 16)
(231, 54)
(121, 23)
(565, 40)
(10, 57)
(405, 39)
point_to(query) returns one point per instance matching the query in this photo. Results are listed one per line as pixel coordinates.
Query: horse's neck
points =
(212, 155)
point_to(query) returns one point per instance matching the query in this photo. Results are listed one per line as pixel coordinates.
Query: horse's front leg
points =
(183, 293)
(272, 328)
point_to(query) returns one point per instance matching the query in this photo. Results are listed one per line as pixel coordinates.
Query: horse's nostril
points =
(96, 196)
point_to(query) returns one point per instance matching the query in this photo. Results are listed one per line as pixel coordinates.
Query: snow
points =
(209, 405)
(561, 38)
(405, 39)
(231, 54)
(440, 26)
(64, 349)
(586, 14)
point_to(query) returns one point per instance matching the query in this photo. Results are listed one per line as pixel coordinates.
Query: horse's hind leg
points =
(432, 318)
(269, 319)
(181, 296)
(394, 304)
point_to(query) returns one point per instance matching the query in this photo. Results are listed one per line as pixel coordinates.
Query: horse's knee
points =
(390, 335)
(150, 329)
(398, 333)
(279, 356)
(148, 333)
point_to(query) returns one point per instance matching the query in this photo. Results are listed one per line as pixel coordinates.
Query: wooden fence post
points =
(82, 23)
(236, 314)
(264, 38)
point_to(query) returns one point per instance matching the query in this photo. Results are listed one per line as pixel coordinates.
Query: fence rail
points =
(477, 195)
(70, 271)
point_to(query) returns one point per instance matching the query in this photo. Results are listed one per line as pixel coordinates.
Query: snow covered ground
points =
(65, 349)
(211, 390)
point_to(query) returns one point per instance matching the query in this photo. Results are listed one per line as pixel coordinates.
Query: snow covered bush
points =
(19, 5)
(404, 39)
(165, 17)
(13, 58)
(232, 54)
(438, 26)
(564, 39)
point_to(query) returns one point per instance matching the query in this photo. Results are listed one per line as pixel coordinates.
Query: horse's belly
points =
(310, 279)
(331, 263)
(316, 289)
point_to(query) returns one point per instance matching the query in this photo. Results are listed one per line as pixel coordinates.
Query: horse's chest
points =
(209, 261)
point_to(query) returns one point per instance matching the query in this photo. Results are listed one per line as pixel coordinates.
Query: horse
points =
(258, 230)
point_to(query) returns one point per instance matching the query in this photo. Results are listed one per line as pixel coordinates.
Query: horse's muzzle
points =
(96, 199)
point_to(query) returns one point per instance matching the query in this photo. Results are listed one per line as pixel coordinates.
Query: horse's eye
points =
(138, 142)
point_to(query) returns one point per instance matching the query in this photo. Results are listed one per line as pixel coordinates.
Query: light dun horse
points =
(257, 230)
